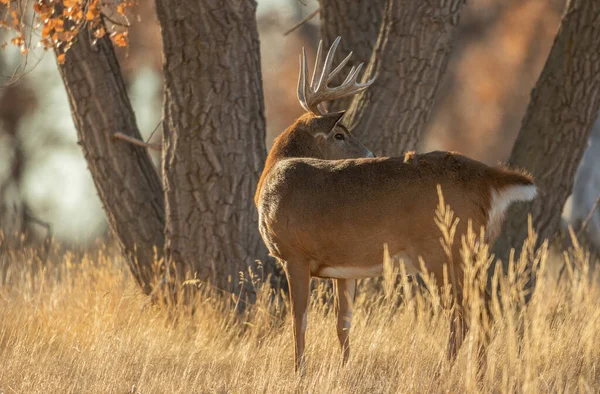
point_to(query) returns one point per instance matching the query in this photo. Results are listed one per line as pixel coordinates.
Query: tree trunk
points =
(126, 180)
(358, 23)
(214, 137)
(557, 124)
(409, 59)
(586, 192)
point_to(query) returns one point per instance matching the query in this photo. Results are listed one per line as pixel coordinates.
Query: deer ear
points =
(324, 124)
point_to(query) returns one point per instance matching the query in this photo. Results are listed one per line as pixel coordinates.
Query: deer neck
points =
(295, 143)
(290, 144)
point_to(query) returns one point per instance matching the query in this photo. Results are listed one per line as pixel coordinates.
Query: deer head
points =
(323, 137)
(318, 134)
(334, 140)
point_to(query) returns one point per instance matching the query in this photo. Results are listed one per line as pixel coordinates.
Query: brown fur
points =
(312, 136)
(365, 203)
(331, 218)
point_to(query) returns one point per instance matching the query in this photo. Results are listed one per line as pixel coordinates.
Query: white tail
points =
(327, 207)
(501, 200)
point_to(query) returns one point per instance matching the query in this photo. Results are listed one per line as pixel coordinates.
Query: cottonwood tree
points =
(200, 217)
(390, 117)
(564, 105)
(201, 214)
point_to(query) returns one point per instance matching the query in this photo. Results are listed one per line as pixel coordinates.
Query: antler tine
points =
(327, 66)
(350, 75)
(339, 67)
(368, 83)
(302, 80)
(318, 66)
(355, 75)
(311, 96)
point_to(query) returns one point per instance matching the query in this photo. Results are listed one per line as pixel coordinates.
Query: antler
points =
(312, 96)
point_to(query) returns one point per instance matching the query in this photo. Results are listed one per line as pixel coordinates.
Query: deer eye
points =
(339, 136)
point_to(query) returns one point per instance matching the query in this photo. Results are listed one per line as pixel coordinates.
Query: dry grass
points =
(77, 325)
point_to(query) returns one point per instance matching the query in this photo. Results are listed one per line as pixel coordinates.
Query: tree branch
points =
(134, 141)
(114, 22)
(589, 216)
(303, 21)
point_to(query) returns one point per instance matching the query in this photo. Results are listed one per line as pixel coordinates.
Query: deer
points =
(327, 206)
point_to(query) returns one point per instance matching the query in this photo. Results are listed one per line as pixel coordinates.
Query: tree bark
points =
(214, 137)
(127, 182)
(358, 23)
(409, 59)
(557, 124)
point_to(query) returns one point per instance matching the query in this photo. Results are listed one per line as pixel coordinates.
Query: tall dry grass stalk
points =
(76, 322)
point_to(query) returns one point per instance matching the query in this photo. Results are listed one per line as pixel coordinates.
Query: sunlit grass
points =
(77, 323)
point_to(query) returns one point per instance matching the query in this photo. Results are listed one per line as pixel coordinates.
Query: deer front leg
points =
(345, 292)
(298, 276)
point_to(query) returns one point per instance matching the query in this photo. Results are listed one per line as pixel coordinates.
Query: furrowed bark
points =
(358, 23)
(409, 59)
(127, 182)
(564, 105)
(214, 137)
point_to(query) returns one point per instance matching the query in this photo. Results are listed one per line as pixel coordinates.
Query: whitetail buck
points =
(327, 206)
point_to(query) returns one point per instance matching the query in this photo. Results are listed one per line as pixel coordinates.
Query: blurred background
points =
(45, 186)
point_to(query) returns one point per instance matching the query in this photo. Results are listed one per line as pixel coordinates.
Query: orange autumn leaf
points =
(61, 58)
(92, 13)
(15, 20)
(46, 30)
(18, 40)
(66, 36)
(99, 32)
(44, 10)
(120, 39)
(74, 13)
(46, 43)
(70, 3)
(59, 25)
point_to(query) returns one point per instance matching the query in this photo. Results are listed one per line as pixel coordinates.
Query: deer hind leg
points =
(298, 277)
(345, 292)
(458, 331)
(458, 327)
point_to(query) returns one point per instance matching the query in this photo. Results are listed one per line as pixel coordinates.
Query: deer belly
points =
(362, 271)
(349, 272)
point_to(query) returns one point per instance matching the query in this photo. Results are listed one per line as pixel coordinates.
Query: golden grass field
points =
(78, 324)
